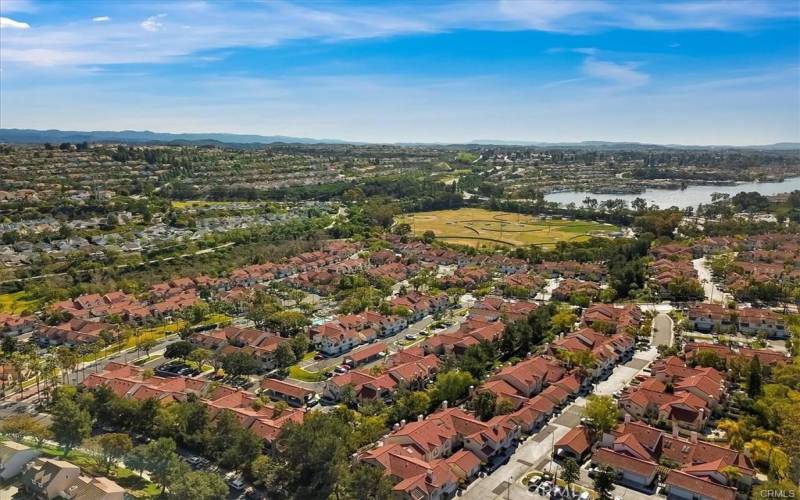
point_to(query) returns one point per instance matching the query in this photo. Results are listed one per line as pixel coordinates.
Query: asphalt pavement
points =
(663, 330)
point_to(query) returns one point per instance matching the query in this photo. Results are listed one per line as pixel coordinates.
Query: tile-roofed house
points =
(294, 395)
(633, 470)
(576, 444)
(73, 332)
(570, 287)
(636, 450)
(529, 376)
(624, 319)
(681, 485)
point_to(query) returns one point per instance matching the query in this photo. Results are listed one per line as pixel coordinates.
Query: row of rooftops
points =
(696, 466)
(434, 454)
(130, 381)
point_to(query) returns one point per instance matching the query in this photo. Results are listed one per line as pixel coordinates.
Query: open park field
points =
(479, 227)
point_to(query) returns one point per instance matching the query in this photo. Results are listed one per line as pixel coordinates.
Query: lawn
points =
(298, 373)
(479, 227)
(17, 303)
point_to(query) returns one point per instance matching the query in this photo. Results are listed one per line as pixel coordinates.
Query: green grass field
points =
(479, 227)
(18, 302)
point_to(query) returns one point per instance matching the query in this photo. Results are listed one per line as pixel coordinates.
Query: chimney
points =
(627, 418)
(429, 476)
(444, 404)
(402, 423)
(420, 417)
(396, 426)
(471, 390)
(674, 429)
(693, 437)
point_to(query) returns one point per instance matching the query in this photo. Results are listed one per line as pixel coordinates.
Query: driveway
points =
(534, 453)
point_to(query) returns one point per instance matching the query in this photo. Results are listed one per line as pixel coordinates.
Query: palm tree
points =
(64, 361)
(19, 362)
(35, 367)
(50, 369)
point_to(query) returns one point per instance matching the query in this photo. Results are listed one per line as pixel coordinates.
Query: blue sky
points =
(679, 71)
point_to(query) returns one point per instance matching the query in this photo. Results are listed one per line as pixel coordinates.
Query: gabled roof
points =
(699, 486)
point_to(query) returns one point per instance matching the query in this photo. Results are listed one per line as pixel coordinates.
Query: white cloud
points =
(266, 24)
(152, 23)
(551, 15)
(623, 75)
(101, 19)
(6, 22)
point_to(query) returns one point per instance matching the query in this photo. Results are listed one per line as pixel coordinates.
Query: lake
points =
(681, 198)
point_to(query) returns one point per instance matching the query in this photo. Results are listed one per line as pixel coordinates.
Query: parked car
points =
(534, 482)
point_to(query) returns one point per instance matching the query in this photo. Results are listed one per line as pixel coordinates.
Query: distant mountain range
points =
(30, 136)
(778, 146)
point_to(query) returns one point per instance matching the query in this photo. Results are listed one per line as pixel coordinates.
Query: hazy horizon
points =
(690, 72)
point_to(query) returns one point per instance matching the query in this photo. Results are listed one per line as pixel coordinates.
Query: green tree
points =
(300, 344)
(451, 386)
(268, 473)
(180, 350)
(484, 404)
(409, 404)
(70, 424)
(239, 363)
(604, 483)
(570, 472)
(110, 448)
(198, 485)
(563, 321)
(161, 461)
(754, 378)
(504, 406)
(284, 355)
(365, 481)
(288, 323)
(201, 356)
(315, 453)
(231, 445)
(602, 411)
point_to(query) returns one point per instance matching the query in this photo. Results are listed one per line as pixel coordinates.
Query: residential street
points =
(663, 330)
(713, 294)
(534, 453)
